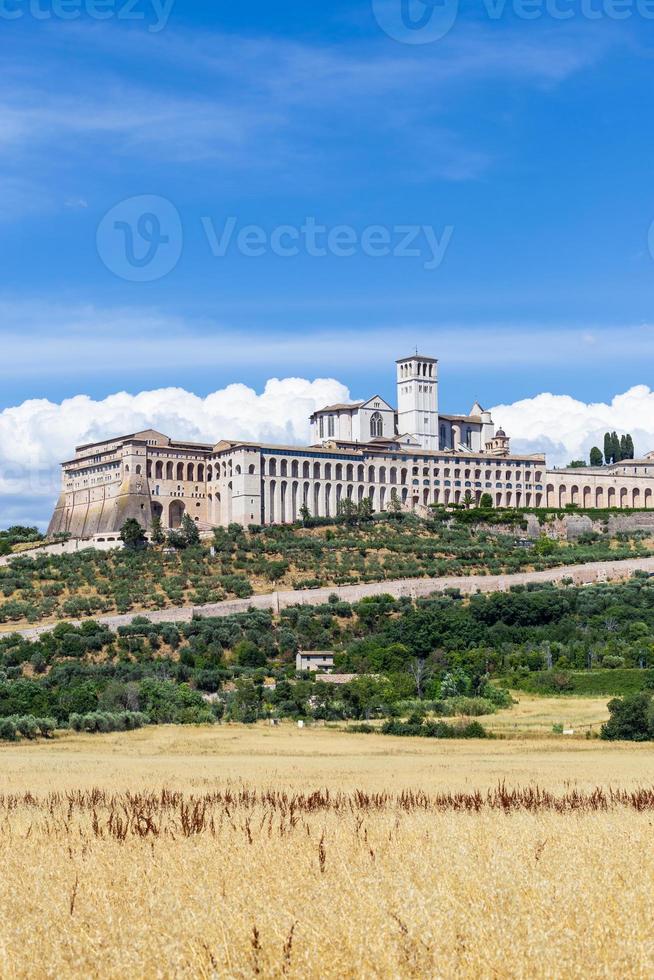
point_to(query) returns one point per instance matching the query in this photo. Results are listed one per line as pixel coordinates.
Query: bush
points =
(7, 730)
(434, 729)
(632, 719)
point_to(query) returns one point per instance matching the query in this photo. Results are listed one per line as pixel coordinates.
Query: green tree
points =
(623, 447)
(608, 448)
(347, 511)
(596, 458)
(486, 501)
(156, 531)
(576, 464)
(132, 534)
(630, 447)
(245, 706)
(189, 530)
(632, 719)
(615, 448)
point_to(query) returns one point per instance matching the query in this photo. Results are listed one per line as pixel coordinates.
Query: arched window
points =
(376, 425)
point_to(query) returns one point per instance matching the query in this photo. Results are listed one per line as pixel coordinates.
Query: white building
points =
(411, 454)
(415, 421)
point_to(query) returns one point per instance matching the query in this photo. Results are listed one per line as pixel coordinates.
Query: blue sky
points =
(524, 145)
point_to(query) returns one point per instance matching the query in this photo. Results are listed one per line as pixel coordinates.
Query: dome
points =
(500, 434)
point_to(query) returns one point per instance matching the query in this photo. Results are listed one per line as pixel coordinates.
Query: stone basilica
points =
(411, 453)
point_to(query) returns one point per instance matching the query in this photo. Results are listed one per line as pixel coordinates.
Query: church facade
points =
(364, 449)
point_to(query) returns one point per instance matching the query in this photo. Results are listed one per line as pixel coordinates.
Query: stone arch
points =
(158, 470)
(574, 494)
(610, 497)
(190, 472)
(295, 468)
(272, 467)
(316, 500)
(361, 473)
(382, 498)
(624, 497)
(328, 471)
(587, 497)
(635, 497)
(180, 471)
(176, 513)
(170, 472)
(201, 472)
(599, 497)
(306, 470)
(371, 474)
(157, 510)
(272, 488)
(349, 472)
(563, 495)
(316, 471)
(294, 506)
(648, 498)
(283, 468)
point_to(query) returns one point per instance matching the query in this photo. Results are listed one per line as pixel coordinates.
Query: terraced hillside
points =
(238, 563)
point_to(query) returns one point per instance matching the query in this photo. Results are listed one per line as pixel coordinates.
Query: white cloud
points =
(38, 434)
(566, 428)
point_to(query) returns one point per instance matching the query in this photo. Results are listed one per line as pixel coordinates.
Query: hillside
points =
(240, 563)
(454, 656)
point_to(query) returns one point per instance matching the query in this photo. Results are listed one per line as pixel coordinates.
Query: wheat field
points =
(234, 852)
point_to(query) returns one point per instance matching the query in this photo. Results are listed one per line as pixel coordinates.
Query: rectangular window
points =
(322, 427)
(331, 425)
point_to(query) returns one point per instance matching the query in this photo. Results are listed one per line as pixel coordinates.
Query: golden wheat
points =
(253, 867)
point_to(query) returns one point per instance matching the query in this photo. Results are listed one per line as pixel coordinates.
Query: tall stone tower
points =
(417, 399)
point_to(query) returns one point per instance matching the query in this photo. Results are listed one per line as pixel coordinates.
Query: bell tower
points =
(417, 399)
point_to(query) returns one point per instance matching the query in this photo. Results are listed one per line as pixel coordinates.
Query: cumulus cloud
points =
(567, 429)
(38, 434)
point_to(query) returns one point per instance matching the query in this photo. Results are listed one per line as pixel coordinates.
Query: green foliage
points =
(632, 719)
(596, 458)
(434, 729)
(132, 534)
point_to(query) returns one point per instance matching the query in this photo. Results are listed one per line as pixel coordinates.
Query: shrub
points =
(632, 719)
(7, 730)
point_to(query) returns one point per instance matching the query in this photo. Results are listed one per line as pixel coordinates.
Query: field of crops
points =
(245, 852)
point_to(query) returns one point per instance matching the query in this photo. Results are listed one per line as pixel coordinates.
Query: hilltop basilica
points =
(371, 449)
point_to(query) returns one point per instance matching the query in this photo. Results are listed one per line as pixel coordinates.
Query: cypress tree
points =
(623, 448)
(631, 453)
(596, 457)
(608, 448)
(615, 448)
